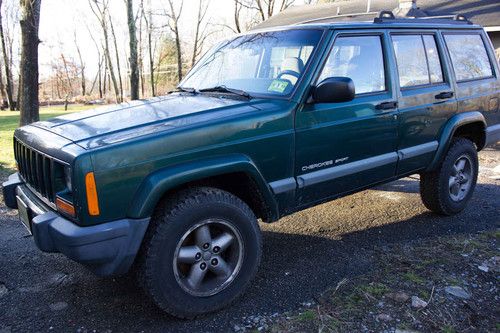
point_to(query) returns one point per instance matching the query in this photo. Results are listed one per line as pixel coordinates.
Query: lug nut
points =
(203, 266)
(214, 262)
(206, 245)
(216, 249)
(197, 256)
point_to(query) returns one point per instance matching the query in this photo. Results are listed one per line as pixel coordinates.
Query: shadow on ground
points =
(295, 268)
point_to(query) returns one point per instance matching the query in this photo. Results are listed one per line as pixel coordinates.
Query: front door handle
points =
(444, 95)
(387, 106)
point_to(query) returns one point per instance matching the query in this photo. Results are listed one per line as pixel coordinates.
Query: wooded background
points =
(148, 60)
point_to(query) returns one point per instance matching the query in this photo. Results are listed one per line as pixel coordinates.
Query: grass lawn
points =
(9, 121)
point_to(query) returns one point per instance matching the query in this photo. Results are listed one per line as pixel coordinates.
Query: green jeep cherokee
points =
(266, 124)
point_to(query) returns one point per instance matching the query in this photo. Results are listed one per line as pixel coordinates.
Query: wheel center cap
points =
(207, 255)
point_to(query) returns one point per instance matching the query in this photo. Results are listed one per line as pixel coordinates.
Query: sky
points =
(62, 20)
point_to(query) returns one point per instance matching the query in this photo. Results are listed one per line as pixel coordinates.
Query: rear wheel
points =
(448, 189)
(202, 249)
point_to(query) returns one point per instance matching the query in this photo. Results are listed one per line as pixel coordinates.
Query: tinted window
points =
(468, 56)
(418, 60)
(359, 58)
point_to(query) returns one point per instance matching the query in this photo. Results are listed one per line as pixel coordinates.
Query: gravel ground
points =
(304, 255)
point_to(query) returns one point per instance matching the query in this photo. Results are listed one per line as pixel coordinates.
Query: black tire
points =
(435, 189)
(175, 218)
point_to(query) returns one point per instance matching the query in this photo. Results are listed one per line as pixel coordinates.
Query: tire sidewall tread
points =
(434, 188)
(174, 216)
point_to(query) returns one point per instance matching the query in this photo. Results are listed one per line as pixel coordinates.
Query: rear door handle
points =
(444, 95)
(387, 106)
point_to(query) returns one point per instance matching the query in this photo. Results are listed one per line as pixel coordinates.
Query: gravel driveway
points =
(304, 254)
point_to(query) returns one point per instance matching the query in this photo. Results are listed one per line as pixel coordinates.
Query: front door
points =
(341, 147)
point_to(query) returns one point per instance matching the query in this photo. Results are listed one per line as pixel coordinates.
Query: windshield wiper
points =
(225, 89)
(185, 89)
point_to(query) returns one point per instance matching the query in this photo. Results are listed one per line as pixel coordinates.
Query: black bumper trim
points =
(106, 249)
(9, 190)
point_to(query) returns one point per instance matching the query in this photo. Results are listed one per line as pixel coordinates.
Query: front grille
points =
(36, 169)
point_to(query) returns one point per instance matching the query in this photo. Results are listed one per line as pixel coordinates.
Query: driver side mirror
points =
(334, 90)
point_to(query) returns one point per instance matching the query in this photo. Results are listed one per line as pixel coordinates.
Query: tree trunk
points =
(151, 64)
(2, 89)
(117, 55)
(197, 33)
(237, 10)
(82, 65)
(104, 78)
(8, 75)
(175, 29)
(30, 20)
(179, 53)
(134, 69)
(100, 10)
(149, 23)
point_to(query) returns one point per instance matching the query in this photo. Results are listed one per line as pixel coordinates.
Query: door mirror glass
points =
(334, 90)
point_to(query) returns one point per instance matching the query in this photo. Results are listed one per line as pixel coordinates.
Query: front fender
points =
(449, 130)
(155, 185)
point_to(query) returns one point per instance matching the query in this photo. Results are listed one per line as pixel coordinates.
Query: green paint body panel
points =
(298, 153)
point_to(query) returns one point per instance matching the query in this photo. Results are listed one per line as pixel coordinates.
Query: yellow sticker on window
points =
(278, 86)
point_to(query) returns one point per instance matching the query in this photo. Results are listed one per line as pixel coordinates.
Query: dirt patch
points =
(440, 285)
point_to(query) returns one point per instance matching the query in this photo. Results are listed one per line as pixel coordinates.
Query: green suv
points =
(266, 124)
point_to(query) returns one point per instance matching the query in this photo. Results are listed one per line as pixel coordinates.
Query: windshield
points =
(267, 63)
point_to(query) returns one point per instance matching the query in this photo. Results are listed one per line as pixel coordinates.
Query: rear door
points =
(341, 147)
(426, 96)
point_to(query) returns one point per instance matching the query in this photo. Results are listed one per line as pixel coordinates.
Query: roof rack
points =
(337, 16)
(387, 16)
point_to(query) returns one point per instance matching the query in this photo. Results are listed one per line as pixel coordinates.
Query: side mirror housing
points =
(334, 90)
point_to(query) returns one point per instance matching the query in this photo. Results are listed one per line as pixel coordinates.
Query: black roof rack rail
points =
(387, 16)
(332, 17)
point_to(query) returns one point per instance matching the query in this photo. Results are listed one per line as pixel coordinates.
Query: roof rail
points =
(336, 16)
(387, 16)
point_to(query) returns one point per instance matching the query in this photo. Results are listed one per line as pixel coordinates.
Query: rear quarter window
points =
(468, 56)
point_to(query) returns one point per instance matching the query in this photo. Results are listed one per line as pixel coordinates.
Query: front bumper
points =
(106, 249)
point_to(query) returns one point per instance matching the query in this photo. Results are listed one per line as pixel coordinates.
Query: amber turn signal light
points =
(92, 200)
(65, 207)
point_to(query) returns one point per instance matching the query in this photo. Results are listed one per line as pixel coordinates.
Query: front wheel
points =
(447, 190)
(201, 251)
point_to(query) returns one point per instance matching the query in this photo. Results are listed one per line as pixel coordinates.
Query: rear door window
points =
(468, 56)
(417, 60)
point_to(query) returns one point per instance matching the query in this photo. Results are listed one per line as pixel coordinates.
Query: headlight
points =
(67, 178)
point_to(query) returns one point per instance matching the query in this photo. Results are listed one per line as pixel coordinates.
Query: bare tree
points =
(6, 62)
(30, 21)
(148, 20)
(100, 10)
(199, 36)
(264, 9)
(68, 86)
(100, 64)
(140, 47)
(173, 24)
(117, 55)
(133, 61)
(267, 8)
(2, 89)
(82, 67)
(237, 12)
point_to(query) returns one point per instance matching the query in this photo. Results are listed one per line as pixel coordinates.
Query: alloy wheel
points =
(208, 257)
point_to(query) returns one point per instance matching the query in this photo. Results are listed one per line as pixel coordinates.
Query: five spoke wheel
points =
(461, 178)
(208, 257)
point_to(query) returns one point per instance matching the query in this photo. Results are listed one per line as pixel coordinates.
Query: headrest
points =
(292, 64)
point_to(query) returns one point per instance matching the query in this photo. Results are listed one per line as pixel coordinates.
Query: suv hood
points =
(108, 125)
